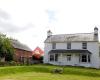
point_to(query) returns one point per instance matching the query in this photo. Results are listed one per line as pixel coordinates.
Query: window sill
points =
(85, 62)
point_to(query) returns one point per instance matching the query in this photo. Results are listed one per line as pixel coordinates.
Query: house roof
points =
(69, 51)
(18, 45)
(70, 37)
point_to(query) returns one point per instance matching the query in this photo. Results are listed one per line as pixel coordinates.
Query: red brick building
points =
(23, 53)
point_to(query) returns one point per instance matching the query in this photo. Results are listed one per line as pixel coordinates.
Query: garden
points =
(48, 72)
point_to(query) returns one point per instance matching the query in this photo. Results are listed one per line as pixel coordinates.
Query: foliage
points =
(6, 49)
(57, 70)
(34, 58)
(41, 58)
(12, 63)
(2, 63)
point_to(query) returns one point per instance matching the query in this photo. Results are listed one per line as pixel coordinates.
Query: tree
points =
(6, 49)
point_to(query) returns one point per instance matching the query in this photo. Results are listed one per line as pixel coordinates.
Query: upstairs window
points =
(84, 45)
(53, 45)
(68, 45)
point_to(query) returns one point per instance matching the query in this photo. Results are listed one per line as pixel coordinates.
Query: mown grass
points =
(46, 76)
(31, 73)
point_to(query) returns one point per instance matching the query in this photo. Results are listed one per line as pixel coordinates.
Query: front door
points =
(68, 59)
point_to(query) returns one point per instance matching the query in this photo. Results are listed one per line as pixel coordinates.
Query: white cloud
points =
(64, 16)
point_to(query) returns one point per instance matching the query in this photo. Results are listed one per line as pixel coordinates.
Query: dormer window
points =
(53, 45)
(69, 45)
(84, 45)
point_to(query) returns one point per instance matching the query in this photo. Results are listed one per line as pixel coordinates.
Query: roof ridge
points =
(73, 34)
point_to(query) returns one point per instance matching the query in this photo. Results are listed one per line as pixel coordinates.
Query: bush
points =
(57, 70)
(12, 63)
(2, 63)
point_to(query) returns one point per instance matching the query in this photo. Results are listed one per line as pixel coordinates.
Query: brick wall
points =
(22, 55)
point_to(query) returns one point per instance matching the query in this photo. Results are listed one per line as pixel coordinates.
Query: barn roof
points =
(18, 45)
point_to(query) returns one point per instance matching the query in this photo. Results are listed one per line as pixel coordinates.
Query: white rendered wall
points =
(95, 59)
(47, 48)
(93, 47)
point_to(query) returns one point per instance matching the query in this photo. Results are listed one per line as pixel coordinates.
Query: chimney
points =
(49, 33)
(96, 34)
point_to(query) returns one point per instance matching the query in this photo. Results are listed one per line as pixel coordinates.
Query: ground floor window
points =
(68, 57)
(53, 57)
(56, 57)
(85, 58)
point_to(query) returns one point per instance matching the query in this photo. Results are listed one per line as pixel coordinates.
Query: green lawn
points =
(43, 72)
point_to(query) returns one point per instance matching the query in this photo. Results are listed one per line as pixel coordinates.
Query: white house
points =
(81, 49)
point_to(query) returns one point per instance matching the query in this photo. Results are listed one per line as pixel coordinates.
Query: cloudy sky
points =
(29, 20)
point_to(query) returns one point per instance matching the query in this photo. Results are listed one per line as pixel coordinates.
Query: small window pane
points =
(53, 45)
(84, 58)
(84, 45)
(68, 45)
(68, 57)
(56, 57)
(51, 57)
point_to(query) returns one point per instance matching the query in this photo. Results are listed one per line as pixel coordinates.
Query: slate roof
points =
(69, 51)
(70, 37)
(18, 45)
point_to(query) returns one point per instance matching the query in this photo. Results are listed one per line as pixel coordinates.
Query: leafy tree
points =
(6, 49)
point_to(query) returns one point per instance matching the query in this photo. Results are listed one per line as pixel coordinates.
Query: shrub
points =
(57, 70)
(12, 63)
(2, 63)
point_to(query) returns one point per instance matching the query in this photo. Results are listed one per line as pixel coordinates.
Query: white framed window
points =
(56, 57)
(51, 57)
(68, 57)
(69, 45)
(85, 58)
(53, 45)
(84, 45)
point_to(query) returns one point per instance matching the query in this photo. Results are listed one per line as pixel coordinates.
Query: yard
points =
(43, 72)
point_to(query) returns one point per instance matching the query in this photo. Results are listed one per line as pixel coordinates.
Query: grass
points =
(43, 72)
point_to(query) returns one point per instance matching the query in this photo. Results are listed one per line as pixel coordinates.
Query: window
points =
(69, 45)
(56, 57)
(84, 45)
(68, 57)
(85, 58)
(51, 57)
(53, 45)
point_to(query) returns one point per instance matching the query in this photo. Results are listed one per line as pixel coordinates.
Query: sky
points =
(29, 20)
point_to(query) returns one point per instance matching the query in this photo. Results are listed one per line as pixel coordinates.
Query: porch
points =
(70, 57)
